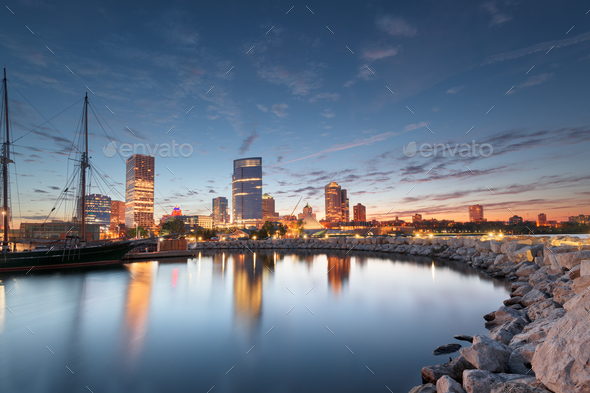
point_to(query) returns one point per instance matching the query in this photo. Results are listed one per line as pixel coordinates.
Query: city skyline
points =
(311, 108)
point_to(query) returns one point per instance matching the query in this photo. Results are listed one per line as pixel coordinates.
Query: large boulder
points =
(541, 309)
(536, 331)
(532, 297)
(447, 384)
(569, 260)
(487, 354)
(496, 246)
(479, 381)
(520, 360)
(563, 360)
(427, 388)
(517, 387)
(585, 268)
(581, 285)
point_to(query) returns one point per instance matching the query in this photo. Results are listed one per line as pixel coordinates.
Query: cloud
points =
(279, 110)
(415, 126)
(247, 142)
(365, 73)
(262, 108)
(300, 83)
(498, 18)
(395, 26)
(325, 96)
(377, 54)
(542, 47)
(532, 81)
(40, 191)
(454, 90)
(328, 113)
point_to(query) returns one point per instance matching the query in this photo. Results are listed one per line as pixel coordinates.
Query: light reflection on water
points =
(283, 321)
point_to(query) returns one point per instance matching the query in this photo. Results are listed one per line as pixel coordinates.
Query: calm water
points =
(239, 323)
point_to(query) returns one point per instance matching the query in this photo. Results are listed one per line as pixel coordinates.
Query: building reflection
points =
(219, 265)
(338, 272)
(2, 305)
(248, 286)
(137, 307)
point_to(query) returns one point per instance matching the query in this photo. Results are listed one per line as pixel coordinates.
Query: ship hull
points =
(56, 259)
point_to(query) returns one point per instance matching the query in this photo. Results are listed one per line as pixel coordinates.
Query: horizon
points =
(318, 100)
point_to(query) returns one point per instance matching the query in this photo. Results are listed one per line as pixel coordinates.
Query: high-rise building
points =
(117, 214)
(268, 209)
(515, 220)
(220, 211)
(542, 219)
(417, 218)
(360, 213)
(247, 190)
(344, 201)
(476, 213)
(139, 193)
(333, 202)
(98, 209)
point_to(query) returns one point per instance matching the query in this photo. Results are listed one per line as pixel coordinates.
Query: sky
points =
(334, 91)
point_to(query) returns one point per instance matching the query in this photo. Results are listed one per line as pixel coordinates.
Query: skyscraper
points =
(360, 213)
(542, 219)
(268, 209)
(345, 208)
(333, 202)
(139, 193)
(98, 209)
(220, 211)
(117, 214)
(476, 213)
(247, 190)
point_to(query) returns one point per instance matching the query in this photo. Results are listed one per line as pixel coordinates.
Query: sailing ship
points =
(74, 250)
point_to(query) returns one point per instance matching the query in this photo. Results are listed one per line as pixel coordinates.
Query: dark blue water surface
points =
(250, 322)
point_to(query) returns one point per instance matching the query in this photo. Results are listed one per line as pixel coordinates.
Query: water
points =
(261, 322)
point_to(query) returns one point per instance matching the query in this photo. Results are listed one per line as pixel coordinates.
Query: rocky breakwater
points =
(539, 340)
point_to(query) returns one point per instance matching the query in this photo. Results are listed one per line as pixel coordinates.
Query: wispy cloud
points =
(262, 108)
(542, 47)
(498, 18)
(454, 90)
(279, 110)
(395, 26)
(415, 126)
(532, 81)
(379, 53)
(328, 113)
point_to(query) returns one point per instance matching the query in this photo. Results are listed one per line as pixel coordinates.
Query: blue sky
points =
(330, 93)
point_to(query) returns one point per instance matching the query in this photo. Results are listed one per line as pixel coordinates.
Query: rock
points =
(454, 369)
(516, 387)
(585, 268)
(580, 285)
(505, 332)
(533, 296)
(463, 337)
(575, 272)
(541, 309)
(487, 354)
(428, 388)
(536, 331)
(445, 349)
(520, 360)
(512, 300)
(479, 381)
(568, 260)
(563, 292)
(522, 290)
(447, 384)
(561, 362)
(496, 246)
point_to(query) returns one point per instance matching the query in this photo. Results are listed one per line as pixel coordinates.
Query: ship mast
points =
(5, 162)
(83, 165)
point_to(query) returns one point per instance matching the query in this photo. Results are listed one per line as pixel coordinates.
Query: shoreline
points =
(537, 340)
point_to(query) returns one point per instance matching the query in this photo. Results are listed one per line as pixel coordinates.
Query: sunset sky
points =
(323, 92)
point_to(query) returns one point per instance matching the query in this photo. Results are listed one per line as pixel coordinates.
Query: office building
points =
(247, 190)
(542, 219)
(333, 195)
(360, 213)
(220, 211)
(344, 201)
(515, 220)
(417, 218)
(268, 209)
(98, 209)
(117, 215)
(306, 210)
(139, 192)
(476, 213)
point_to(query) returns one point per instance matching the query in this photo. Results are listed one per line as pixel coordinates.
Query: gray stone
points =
(453, 369)
(541, 309)
(487, 354)
(428, 388)
(522, 290)
(463, 337)
(520, 360)
(505, 332)
(561, 362)
(446, 349)
(585, 268)
(516, 387)
(575, 272)
(512, 300)
(447, 384)
(580, 285)
(479, 381)
(527, 270)
(563, 292)
(569, 260)
(533, 296)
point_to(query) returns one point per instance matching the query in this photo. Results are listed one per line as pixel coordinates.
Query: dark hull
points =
(75, 257)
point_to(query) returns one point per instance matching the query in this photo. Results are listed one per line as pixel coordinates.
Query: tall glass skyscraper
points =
(220, 211)
(139, 193)
(247, 190)
(98, 209)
